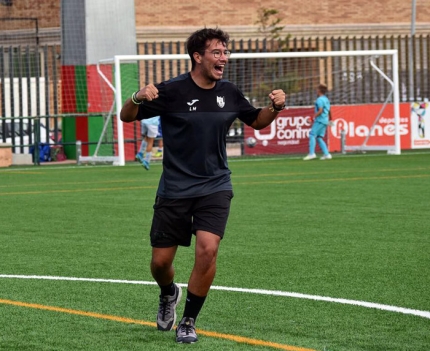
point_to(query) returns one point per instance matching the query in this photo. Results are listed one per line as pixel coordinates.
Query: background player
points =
(159, 152)
(321, 120)
(149, 131)
(419, 109)
(194, 193)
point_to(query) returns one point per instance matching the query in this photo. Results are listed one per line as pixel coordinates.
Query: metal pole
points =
(414, 14)
(36, 141)
(343, 141)
(118, 97)
(396, 101)
(411, 53)
(78, 151)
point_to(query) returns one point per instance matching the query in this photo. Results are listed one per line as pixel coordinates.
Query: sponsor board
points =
(420, 125)
(288, 133)
(357, 122)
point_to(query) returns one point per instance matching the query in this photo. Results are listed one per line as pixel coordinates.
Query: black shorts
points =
(175, 220)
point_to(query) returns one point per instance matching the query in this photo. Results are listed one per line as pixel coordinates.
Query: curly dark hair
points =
(198, 40)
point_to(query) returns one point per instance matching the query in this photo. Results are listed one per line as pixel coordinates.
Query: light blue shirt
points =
(324, 103)
(155, 121)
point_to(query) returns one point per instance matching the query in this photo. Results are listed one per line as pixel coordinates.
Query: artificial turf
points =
(354, 227)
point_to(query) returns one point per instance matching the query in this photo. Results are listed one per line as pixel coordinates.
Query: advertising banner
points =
(357, 121)
(420, 125)
(288, 134)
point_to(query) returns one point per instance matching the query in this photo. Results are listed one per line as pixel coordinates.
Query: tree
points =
(269, 25)
(268, 71)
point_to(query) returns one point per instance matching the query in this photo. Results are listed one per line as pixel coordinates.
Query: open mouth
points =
(219, 69)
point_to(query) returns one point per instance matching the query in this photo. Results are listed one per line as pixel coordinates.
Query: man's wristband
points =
(274, 108)
(134, 98)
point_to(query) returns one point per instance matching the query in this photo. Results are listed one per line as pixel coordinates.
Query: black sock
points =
(193, 305)
(167, 289)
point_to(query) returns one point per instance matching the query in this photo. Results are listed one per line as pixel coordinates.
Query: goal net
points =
(363, 89)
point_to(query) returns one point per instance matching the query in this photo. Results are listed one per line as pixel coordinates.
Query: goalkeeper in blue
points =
(321, 120)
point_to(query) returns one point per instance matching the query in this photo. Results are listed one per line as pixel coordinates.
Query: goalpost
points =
(363, 88)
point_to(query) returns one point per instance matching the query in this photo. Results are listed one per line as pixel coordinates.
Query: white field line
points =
(403, 310)
(230, 160)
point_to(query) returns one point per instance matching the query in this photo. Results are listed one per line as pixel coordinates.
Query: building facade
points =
(166, 20)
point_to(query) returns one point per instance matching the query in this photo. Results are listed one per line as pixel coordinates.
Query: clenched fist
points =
(147, 93)
(278, 98)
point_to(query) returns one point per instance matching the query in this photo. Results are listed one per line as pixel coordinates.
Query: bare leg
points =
(170, 295)
(204, 269)
(162, 264)
(150, 144)
(202, 275)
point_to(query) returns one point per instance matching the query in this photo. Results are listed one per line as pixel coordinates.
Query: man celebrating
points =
(194, 193)
(321, 120)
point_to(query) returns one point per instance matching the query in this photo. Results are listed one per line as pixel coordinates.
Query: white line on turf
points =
(231, 160)
(378, 306)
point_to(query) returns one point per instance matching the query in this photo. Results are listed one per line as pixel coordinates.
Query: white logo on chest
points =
(191, 103)
(220, 101)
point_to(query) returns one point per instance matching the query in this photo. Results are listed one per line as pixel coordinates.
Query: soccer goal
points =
(363, 87)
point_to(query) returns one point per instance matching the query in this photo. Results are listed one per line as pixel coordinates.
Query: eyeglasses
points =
(217, 53)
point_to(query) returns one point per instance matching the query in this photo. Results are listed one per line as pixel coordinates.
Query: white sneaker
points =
(326, 157)
(310, 157)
